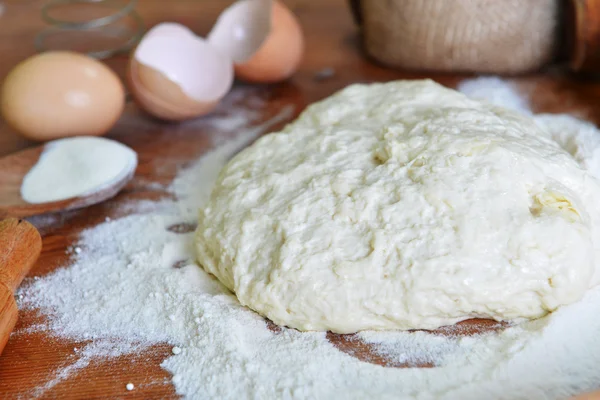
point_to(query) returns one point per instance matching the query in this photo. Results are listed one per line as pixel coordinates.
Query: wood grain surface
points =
(21, 245)
(30, 359)
(16, 165)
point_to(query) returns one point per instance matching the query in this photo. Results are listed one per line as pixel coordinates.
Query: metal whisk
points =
(108, 26)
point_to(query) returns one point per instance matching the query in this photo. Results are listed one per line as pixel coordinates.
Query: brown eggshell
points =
(161, 97)
(279, 56)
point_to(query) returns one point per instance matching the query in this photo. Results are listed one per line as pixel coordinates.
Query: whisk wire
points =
(122, 11)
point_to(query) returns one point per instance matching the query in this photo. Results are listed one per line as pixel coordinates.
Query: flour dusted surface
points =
(122, 294)
(403, 205)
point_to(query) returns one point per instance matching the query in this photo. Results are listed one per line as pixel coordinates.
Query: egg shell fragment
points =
(242, 29)
(176, 75)
(168, 29)
(280, 55)
(171, 103)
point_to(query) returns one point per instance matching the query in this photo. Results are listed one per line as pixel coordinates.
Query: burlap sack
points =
(493, 36)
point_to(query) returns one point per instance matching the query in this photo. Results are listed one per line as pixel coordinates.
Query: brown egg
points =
(262, 37)
(280, 54)
(58, 94)
(175, 75)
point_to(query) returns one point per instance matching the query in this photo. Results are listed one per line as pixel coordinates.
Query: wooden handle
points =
(20, 246)
(582, 35)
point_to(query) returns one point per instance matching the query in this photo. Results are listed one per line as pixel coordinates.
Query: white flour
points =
(123, 293)
(77, 166)
(415, 348)
(496, 91)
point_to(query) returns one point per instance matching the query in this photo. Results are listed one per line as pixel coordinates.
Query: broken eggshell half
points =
(242, 29)
(175, 75)
(262, 37)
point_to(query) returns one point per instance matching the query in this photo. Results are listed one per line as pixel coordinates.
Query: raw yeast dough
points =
(403, 205)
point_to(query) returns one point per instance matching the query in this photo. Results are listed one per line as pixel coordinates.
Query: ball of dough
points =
(402, 205)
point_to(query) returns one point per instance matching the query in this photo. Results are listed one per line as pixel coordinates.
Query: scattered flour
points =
(496, 91)
(77, 166)
(124, 293)
(415, 348)
(97, 349)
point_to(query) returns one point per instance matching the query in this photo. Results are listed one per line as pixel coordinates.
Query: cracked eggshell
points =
(242, 29)
(262, 37)
(175, 75)
(172, 29)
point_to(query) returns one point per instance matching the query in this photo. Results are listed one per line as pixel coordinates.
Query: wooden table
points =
(332, 42)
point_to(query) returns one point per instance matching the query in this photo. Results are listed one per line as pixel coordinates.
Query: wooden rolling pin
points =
(20, 247)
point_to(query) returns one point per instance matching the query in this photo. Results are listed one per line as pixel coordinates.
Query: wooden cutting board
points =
(30, 359)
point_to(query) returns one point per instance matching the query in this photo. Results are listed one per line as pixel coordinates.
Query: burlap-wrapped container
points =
(489, 36)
